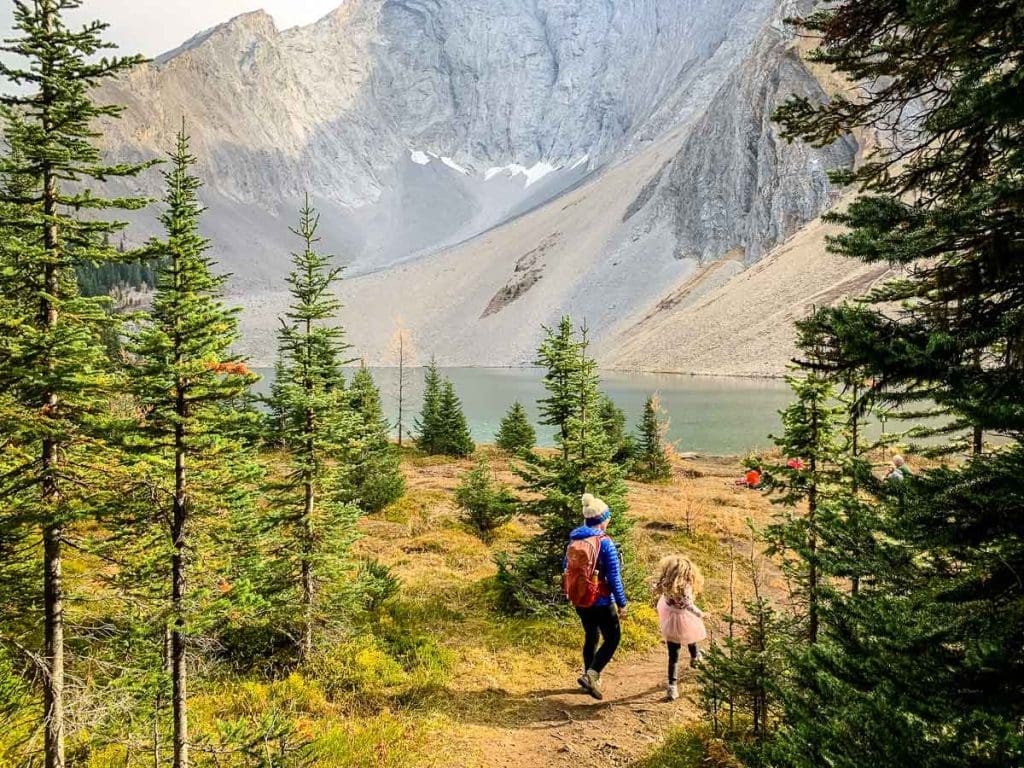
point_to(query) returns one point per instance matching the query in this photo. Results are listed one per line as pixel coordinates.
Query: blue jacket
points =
(608, 565)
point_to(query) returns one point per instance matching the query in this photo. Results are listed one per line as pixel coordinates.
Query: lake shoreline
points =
(625, 371)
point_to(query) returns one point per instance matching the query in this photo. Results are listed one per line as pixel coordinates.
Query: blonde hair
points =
(675, 574)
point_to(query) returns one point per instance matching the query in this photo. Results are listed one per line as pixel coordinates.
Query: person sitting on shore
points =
(899, 470)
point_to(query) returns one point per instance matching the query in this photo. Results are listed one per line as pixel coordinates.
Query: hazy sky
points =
(154, 26)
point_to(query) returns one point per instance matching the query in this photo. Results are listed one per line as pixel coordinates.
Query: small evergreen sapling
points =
(442, 426)
(376, 478)
(614, 420)
(486, 505)
(740, 678)
(804, 483)
(516, 434)
(651, 463)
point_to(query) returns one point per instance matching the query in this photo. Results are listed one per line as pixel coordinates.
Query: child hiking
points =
(677, 582)
(592, 580)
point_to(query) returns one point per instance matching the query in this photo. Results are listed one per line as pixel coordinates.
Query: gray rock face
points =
(735, 187)
(555, 155)
(336, 108)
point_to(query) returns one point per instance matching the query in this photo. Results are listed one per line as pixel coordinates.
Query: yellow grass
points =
(461, 669)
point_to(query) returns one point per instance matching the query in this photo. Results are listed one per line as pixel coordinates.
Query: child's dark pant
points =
(673, 659)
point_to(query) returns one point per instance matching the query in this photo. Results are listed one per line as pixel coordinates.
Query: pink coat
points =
(681, 624)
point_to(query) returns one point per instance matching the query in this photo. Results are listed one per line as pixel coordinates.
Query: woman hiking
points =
(592, 578)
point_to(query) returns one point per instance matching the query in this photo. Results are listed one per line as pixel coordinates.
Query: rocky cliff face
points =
(735, 187)
(420, 125)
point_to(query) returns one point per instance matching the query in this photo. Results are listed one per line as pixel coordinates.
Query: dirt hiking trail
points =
(562, 726)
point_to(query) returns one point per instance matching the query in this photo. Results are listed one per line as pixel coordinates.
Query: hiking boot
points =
(594, 684)
(673, 692)
(696, 660)
(584, 682)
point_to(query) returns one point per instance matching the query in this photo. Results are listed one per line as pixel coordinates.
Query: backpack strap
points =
(597, 554)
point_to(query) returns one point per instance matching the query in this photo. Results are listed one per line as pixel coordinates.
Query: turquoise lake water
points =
(706, 414)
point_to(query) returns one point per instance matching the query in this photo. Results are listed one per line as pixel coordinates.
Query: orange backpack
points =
(581, 581)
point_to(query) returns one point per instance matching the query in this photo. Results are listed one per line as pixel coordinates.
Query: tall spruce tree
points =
(583, 464)
(650, 460)
(313, 525)
(183, 372)
(428, 424)
(52, 363)
(516, 433)
(930, 654)
(376, 478)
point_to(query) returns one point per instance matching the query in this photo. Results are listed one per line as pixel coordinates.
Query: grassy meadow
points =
(435, 675)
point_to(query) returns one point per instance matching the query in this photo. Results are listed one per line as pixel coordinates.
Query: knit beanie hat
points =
(595, 511)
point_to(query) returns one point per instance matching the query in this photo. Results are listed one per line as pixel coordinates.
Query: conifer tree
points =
(376, 478)
(614, 419)
(747, 670)
(516, 433)
(308, 517)
(428, 425)
(650, 461)
(486, 505)
(805, 483)
(442, 425)
(930, 653)
(583, 464)
(52, 362)
(454, 439)
(558, 355)
(183, 372)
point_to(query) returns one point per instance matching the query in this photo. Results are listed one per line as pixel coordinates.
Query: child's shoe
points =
(672, 693)
(696, 660)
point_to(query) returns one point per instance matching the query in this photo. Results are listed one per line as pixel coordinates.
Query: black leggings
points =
(600, 621)
(673, 659)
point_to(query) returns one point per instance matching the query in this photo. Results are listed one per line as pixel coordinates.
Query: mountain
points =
(483, 166)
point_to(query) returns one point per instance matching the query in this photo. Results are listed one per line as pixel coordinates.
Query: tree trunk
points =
(401, 384)
(309, 502)
(179, 670)
(732, 622)
(53, 680)
(53, 585)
